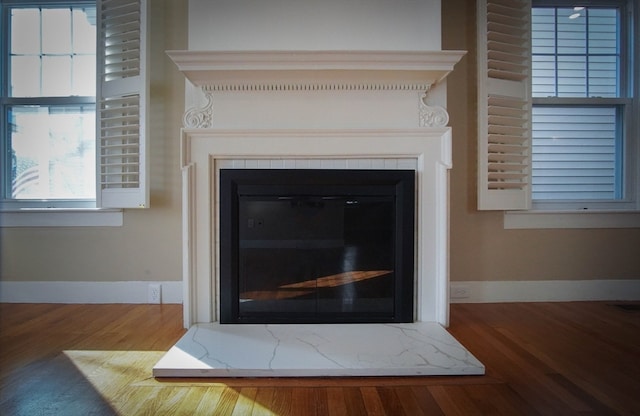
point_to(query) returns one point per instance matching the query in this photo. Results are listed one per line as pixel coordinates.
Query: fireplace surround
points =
(321, 110)
(209, 150)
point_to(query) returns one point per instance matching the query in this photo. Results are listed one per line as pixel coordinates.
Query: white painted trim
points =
(315, 70)
(204, 150)
(544, 291)
(567, 219)
(62, 217)
(461, 292)
(87, 292)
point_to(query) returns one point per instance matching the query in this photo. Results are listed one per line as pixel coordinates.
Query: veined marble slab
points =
(324, 350)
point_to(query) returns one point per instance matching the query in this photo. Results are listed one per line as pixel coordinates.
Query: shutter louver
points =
(504, 109)
(122, 104)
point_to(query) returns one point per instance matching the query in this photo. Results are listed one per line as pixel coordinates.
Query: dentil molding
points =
(315, 70)
(308, 71)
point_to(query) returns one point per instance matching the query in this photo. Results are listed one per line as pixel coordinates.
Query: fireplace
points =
(325, 112)
(316, 246)
(284, 91)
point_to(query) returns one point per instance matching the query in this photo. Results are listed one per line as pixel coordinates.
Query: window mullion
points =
(41, 51)
(587, 54)
(555, 58)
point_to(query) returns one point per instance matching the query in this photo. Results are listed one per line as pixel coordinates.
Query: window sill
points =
(61, 217)
(571, 219)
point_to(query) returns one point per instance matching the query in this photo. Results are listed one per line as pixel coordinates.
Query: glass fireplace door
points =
(316, 258)
(316, 245)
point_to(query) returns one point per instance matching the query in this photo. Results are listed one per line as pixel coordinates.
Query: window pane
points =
(84, 76)
(56, 31)
(56, 76)
(84, 31)
(572, 76)
(64, 65)
(603, 31)
(575, 154)
(25, 76)
(25, 35)
(543, 25)
(53, 152)
(576, 52)
(603, 76)
(571, 32)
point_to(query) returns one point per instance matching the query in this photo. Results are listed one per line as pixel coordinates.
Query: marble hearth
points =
(316, 110)
(418, 349)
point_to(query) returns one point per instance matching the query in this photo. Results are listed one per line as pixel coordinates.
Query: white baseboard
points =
(461, 291)
(87, 292)
(544, 291)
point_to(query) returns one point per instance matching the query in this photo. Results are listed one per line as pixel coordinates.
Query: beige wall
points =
(148, 246)
(480, 248)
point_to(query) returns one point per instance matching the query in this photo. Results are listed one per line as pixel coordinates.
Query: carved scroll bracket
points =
(432, 115)
(200, 117)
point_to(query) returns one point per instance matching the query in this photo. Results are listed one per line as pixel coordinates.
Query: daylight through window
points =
(48, 101)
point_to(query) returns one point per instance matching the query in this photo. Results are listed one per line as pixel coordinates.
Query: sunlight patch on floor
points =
(124, 379)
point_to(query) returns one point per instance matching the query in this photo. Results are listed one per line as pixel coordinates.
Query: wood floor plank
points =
(264, 402)
(498, 399)
(424, 399)
(210, 400)
(390, 401)
(446, 401)
(372, 401)
(189, 402)
(303, 401)
(354, 402)
(336, 404)
(245, 402)
(409, 402)
(281, 404)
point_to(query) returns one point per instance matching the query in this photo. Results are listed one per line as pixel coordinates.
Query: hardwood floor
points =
(579, 358)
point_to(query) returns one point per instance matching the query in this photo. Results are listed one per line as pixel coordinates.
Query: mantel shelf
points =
(315, 69)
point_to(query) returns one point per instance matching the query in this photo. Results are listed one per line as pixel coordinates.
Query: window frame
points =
(628, 138)
(6, 202)
(111, 196)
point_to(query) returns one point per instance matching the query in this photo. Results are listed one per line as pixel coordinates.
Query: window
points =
(48, 105)
(557, 102)
(580, 101)
(73, 104)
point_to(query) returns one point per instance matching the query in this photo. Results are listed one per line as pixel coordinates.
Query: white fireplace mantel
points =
(321, 69)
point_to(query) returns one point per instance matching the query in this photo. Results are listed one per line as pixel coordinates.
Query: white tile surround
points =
(324, 110)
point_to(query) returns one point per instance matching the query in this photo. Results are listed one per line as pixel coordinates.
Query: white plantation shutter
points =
(121, 104)
(504, 104)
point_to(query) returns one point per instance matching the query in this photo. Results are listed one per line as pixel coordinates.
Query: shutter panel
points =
(122, 100)
(504, 104)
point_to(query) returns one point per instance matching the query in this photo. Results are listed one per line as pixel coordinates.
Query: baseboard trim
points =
(461, 291)
(544, 291)
(87, 292)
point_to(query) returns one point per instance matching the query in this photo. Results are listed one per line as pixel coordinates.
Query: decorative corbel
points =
(432, 115)
(200, 117)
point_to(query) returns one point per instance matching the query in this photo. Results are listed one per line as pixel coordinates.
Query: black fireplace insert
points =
(316, 246)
